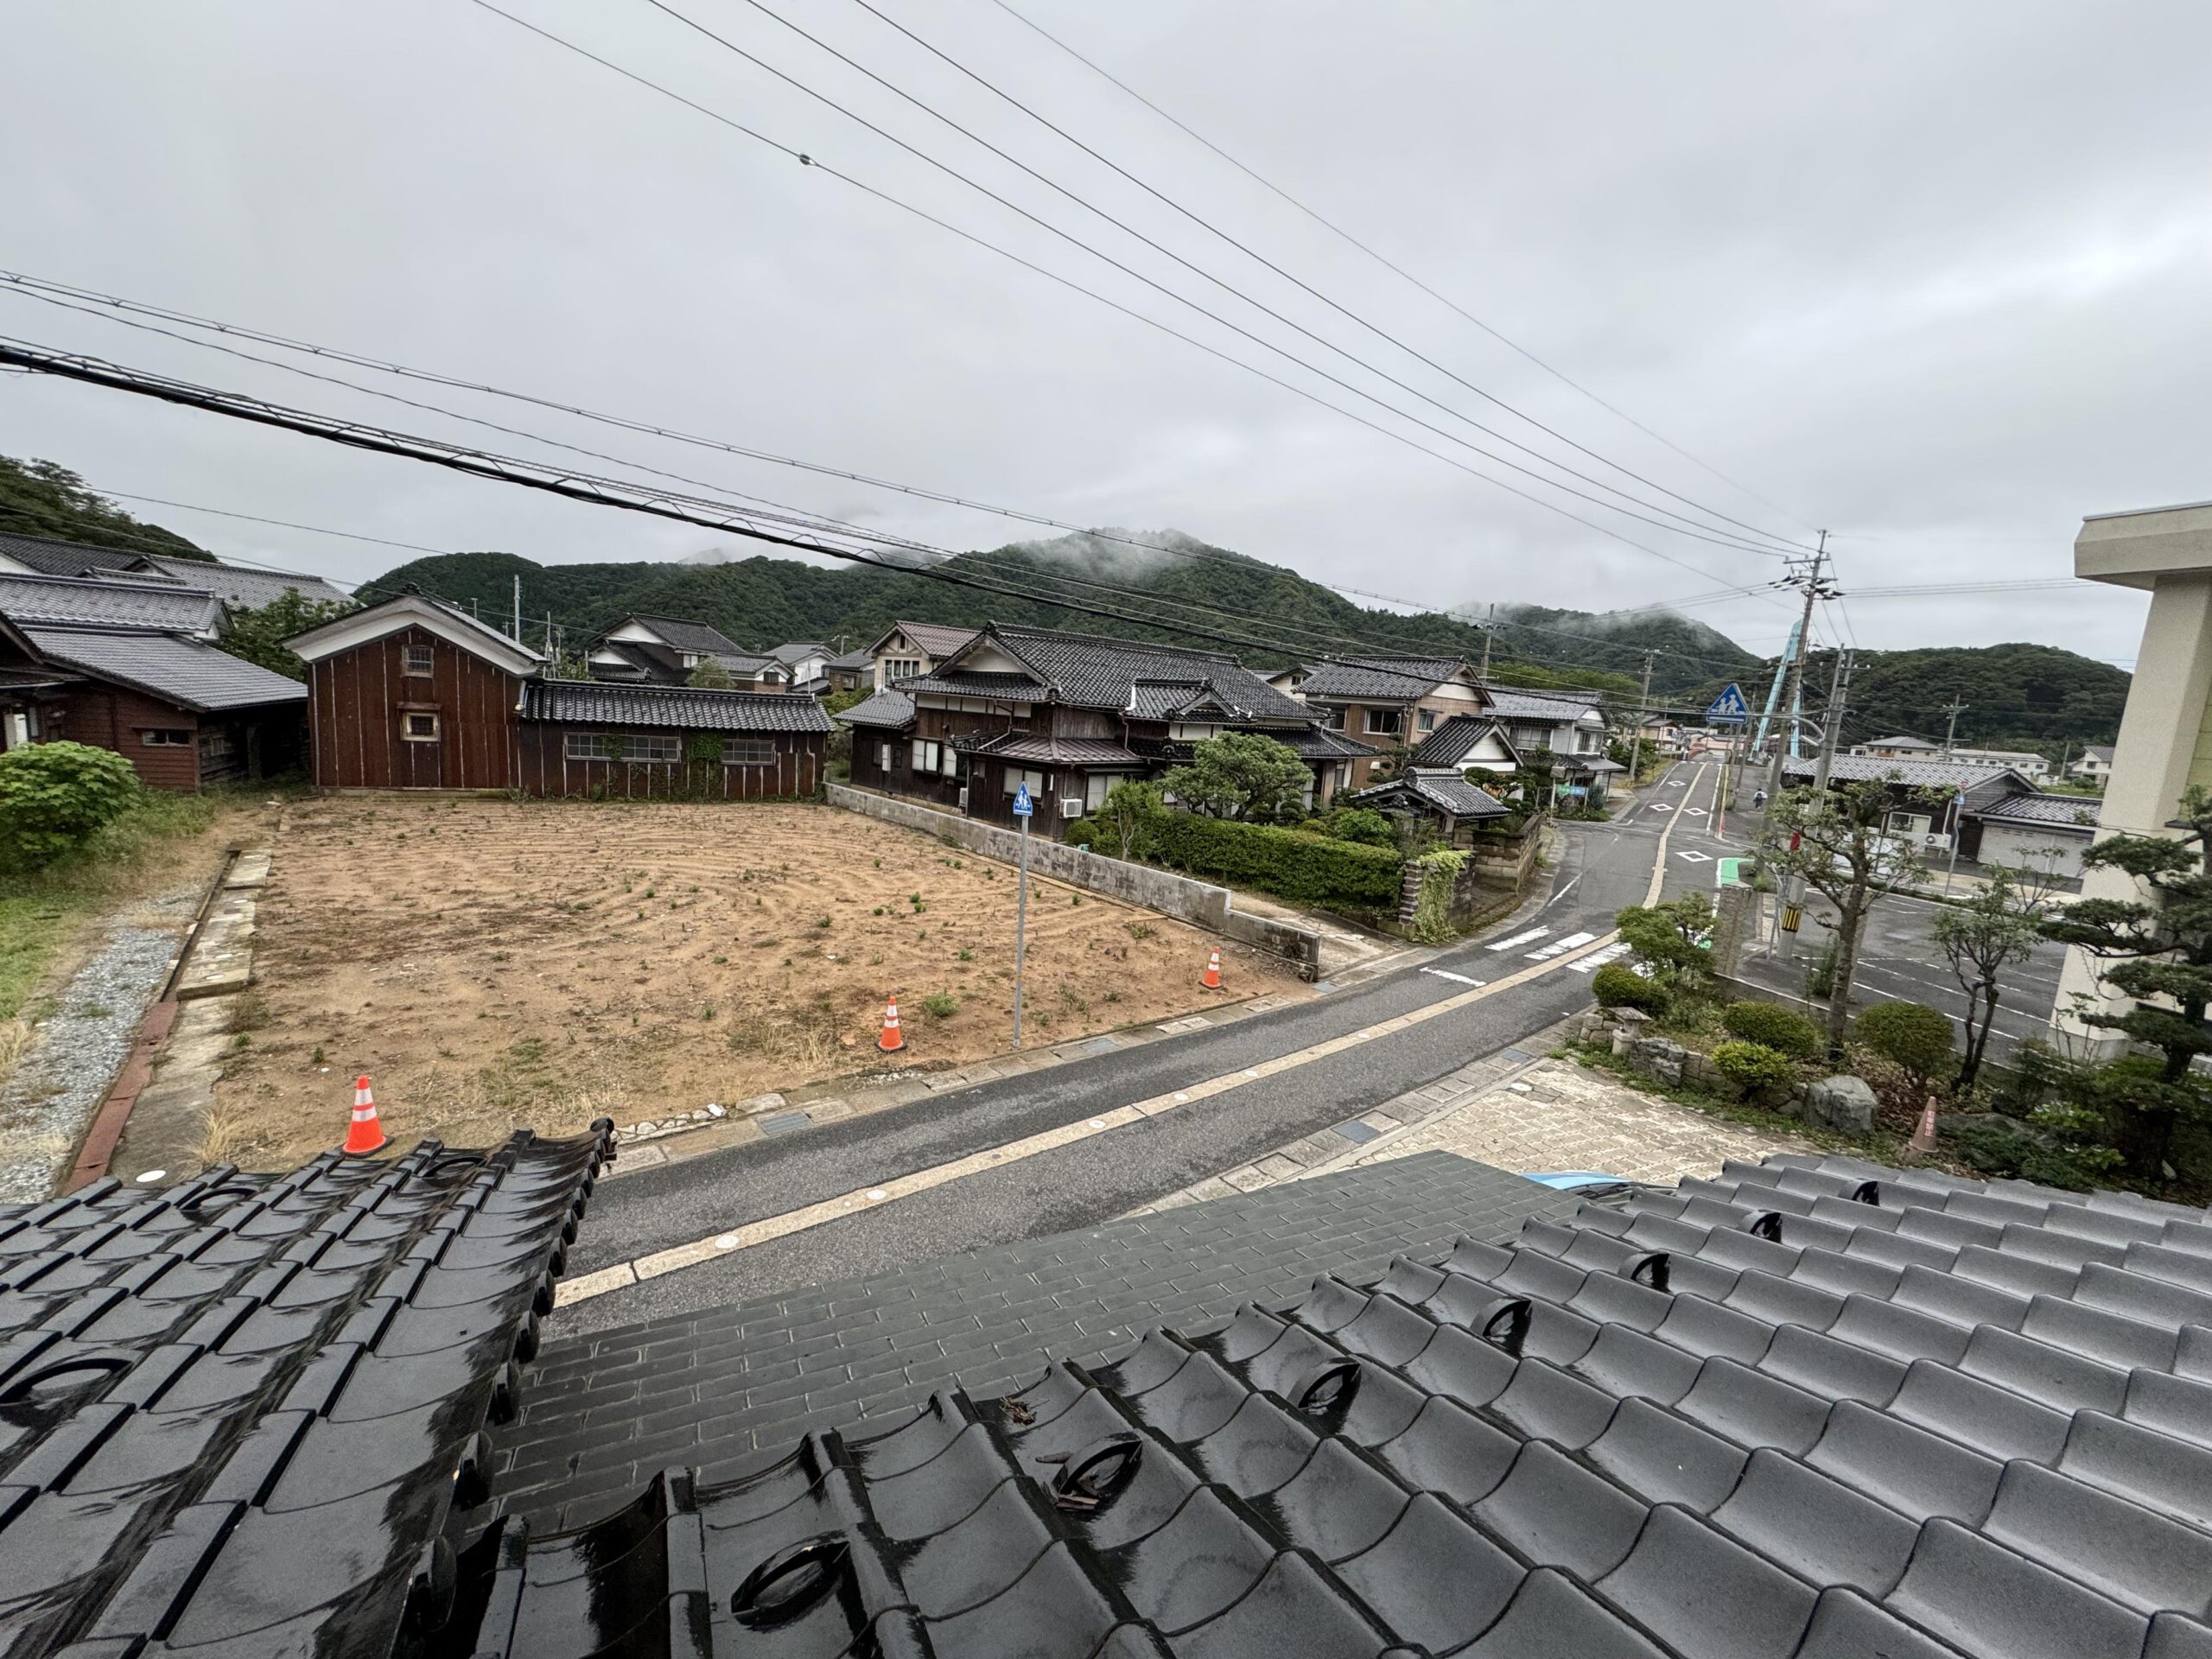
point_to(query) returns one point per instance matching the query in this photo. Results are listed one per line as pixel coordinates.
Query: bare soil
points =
(493, 964)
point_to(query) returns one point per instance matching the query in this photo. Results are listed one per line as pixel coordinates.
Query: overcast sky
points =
(1932, 277)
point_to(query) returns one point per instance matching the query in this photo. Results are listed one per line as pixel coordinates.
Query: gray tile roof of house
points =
(954, 682)
(1387, 679)
(854, 662)
(1046, 751)
(2099, 751)
(1093, 673)
(1811, 1409)
(246, 590)
(1901, 743)
(1441, 788)
(188, 672)
(1544, 705)
(66, 602)
(1451, 742)
(241, 1408)
(796, 652)
(594, 703)
(938, 639)
(1918, 774)
(55, 558)
(1320, 743)
(891, 708)
(2069, 811)
(683, 634)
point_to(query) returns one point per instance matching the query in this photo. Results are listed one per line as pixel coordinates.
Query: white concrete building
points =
(2165, 737)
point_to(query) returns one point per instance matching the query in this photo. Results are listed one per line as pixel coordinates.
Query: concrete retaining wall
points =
(1196, 902)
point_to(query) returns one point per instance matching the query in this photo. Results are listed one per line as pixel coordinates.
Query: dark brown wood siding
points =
(110, 717)
(359, 700)
(546, 769)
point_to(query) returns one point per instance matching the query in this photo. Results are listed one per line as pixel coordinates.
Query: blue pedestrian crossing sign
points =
(1729, 709)
(1023, 806)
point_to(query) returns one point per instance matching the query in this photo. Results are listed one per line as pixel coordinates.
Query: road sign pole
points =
(1022, 807)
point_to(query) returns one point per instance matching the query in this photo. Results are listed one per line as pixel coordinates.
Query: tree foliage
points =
(707, 674)
(38, 497)
(54, 796)
(1125, 817)
(1241, 775)
(1754, 1068)
(1997, 928)
(1770, 1024)
(1833, 842)
(1672, 939)
(2160, 955)
(258, 634)
(1912, 1035)
(1617, 985)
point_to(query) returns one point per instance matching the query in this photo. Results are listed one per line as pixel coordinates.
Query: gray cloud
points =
(1931, 277)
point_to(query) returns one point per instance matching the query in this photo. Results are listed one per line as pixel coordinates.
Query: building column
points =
(2165, 742)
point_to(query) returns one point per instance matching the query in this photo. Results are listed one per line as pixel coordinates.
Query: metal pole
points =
(1958, 813)
(1020, 926)
(1793, 895)
(1643, 708)
(518, 608)
(1796, 665)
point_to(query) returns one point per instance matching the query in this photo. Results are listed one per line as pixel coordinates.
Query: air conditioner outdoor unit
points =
(1070, 806)
(963, 797)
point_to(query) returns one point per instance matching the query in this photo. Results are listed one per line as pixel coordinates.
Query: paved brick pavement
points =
(1556, 1115)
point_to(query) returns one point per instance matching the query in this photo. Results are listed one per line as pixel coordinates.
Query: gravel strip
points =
(71, 1062)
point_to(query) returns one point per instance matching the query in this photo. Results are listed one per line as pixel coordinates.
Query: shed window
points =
(419, 729)
(165, 737)
(415, 659)
(748, 752)
(940, 758)
(646, 750)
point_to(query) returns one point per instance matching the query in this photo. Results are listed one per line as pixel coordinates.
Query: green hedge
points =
(1289, 863)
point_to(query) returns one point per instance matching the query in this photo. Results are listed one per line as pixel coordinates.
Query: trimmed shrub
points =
(54, 797)
(1784, 1030)
(1910, 1034)
(1616, 985)
(1754, 1068)
(1289, 863)
(1360, 823)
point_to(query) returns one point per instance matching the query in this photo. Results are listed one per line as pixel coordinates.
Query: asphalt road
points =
(1603, 868)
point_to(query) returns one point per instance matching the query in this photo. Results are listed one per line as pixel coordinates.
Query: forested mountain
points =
(39, 498)
(1189, 590)
(1684, 653)
(2016, 697)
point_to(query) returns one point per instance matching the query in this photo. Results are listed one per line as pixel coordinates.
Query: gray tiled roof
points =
(1449, 743)
(854, 661)
(936, 639)
(1918, 774)
(2070, 812)
(1443, 789)
(68, 601)
(594, 703)
(890, 708)
(1320, 743)
(1094, 673)
(796, 652)
(682, 634)
(188, 673)
(246, 590)
(1902, 742)
(54, 558)
(1387, 679)
(1566, 706)
(1047, 751)
(1014, 688)
(2098, 751)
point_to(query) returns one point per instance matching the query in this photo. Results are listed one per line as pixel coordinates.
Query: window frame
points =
(407, 732)
(764, 751)
(1425, 720)
(1396, 717)
(165, 737)
(413, 666)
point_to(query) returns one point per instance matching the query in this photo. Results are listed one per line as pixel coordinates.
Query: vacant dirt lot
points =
(493, 964)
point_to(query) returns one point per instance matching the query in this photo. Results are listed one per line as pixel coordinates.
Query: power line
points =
(1725, 538)
(1135, 315)
(1252, 254)
(1388, 264)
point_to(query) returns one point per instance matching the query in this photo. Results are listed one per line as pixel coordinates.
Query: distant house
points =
(806, 662)
(1442, 795)
(240, 587)
(416, 694)
(132, 666)
(2095, 765)
(852, 671)
(1937, 801)
(1897, 748)
(2026, 762)
(1388, 703)
(2044, 834)
(1467, 742)
(666, 651)
(1570, 726)
(1069, 715)
(907, 649)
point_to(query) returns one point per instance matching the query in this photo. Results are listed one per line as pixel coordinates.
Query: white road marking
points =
(745, 1235)
(1696, 811)
(1457, 979)
(1694, 856)
(1597, 959)
(1521, 938)
(1560, 947)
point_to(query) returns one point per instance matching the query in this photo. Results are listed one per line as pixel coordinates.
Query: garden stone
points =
(1841, 1103)
(1662, 1057)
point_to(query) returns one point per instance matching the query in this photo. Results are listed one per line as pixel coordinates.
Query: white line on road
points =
(1521, 938)
(1457, 979)
(1596, 960)
(1560, 947)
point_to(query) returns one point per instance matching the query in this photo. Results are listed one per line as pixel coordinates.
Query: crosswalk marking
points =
(1560, 947)
(1459, 979)
(1597, 959)
(1521, 938)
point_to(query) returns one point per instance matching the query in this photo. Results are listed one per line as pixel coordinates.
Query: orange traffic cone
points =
(1211, 978)
(364, 1134)
(891, 1042)
(1923, 1138)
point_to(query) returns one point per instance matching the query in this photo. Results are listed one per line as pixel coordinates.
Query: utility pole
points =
(1489, 623)
(1643, 705)
(517, 607)
(1793, 896)
(1815, 587)
(1951, 731)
